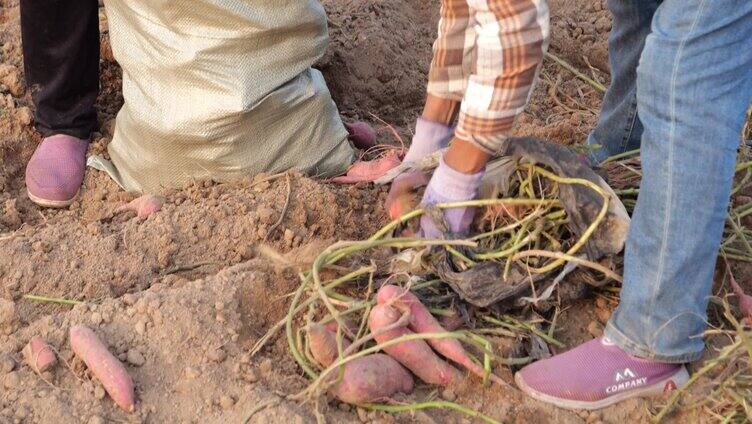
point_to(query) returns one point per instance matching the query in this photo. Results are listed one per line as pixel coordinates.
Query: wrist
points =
(455, 185)
(429, 137)
(441, 110)
(465, 157)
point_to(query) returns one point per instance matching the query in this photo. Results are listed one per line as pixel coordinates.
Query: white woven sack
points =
(221, 89)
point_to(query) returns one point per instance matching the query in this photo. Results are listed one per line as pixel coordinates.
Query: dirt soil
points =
(181, 296)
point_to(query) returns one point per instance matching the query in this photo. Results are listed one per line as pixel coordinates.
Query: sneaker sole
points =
(679, 379)
(56, 204)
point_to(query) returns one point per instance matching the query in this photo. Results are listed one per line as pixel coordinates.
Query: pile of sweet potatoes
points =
(378, 376)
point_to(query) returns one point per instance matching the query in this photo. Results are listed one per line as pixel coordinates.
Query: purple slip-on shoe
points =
(56, 171)
(597, 374)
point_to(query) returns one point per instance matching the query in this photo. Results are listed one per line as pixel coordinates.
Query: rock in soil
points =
(7, 364)
(135, 358)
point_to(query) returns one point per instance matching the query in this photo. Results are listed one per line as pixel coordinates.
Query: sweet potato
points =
(143, 206)
(421, 321)
(361, 134)
(39, 355)
(367, 171)
(323, 343)
(416, 355)
(349, 325)
(367, 379)
(105, 367)
(372, 378)
(451, 322)
(745, 300)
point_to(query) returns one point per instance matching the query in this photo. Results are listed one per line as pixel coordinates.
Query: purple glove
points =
(449, 186)
(429, 137)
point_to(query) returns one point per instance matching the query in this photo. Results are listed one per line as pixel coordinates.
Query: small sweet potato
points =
(349, 325)
(105, 367)
(367, 171)
(361, 134)
(367, 379)
(745, 300)
(416, 355)
(451, 322)
(421, 321)
(39, 355)
(143, 206)
(323, 343)
(372, 378)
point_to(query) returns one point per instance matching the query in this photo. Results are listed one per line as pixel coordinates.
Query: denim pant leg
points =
(694, 84)
(619, 129)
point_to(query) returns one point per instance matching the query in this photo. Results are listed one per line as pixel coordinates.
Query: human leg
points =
(61, 62)
(619, 128)
(694, 84)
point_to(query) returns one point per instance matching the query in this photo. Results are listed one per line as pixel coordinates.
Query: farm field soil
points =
(182, 295)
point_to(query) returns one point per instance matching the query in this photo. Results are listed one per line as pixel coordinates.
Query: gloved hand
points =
(449, 186)
(429, 137)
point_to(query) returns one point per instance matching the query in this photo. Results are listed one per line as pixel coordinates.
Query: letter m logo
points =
(626, 374)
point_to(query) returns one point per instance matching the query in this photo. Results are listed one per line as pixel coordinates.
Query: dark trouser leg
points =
(61, 62)
(619, 128)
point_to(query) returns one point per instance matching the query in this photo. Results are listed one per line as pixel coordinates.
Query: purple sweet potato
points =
(105, 367)
(416, 355)
(361, 134)
(421, 321)
(39, 355)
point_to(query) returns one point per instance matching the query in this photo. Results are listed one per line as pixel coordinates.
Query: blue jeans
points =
(681, 86)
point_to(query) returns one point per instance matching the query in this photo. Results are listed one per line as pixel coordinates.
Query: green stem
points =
(743, 165)
(709, 365)
(740, 234)
(329, 286)
(743, 182)
(469, 262)
(588, 232)
(627, 192)
(738, 257)
(514, 323)
(442, 312)
(60, 301)
(436, 404)
(512, 226)
(519, 243)
(593, 83)
(470, 203)
(621, 156)
(288, 329)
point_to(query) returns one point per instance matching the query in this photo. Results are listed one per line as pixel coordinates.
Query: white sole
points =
(679, 379)
(57, 204)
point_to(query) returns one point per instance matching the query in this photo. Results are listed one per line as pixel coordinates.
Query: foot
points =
(56, 170)
(597, 374)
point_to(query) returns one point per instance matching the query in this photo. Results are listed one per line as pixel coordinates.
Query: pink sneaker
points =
(56, 170)
(597, 374)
